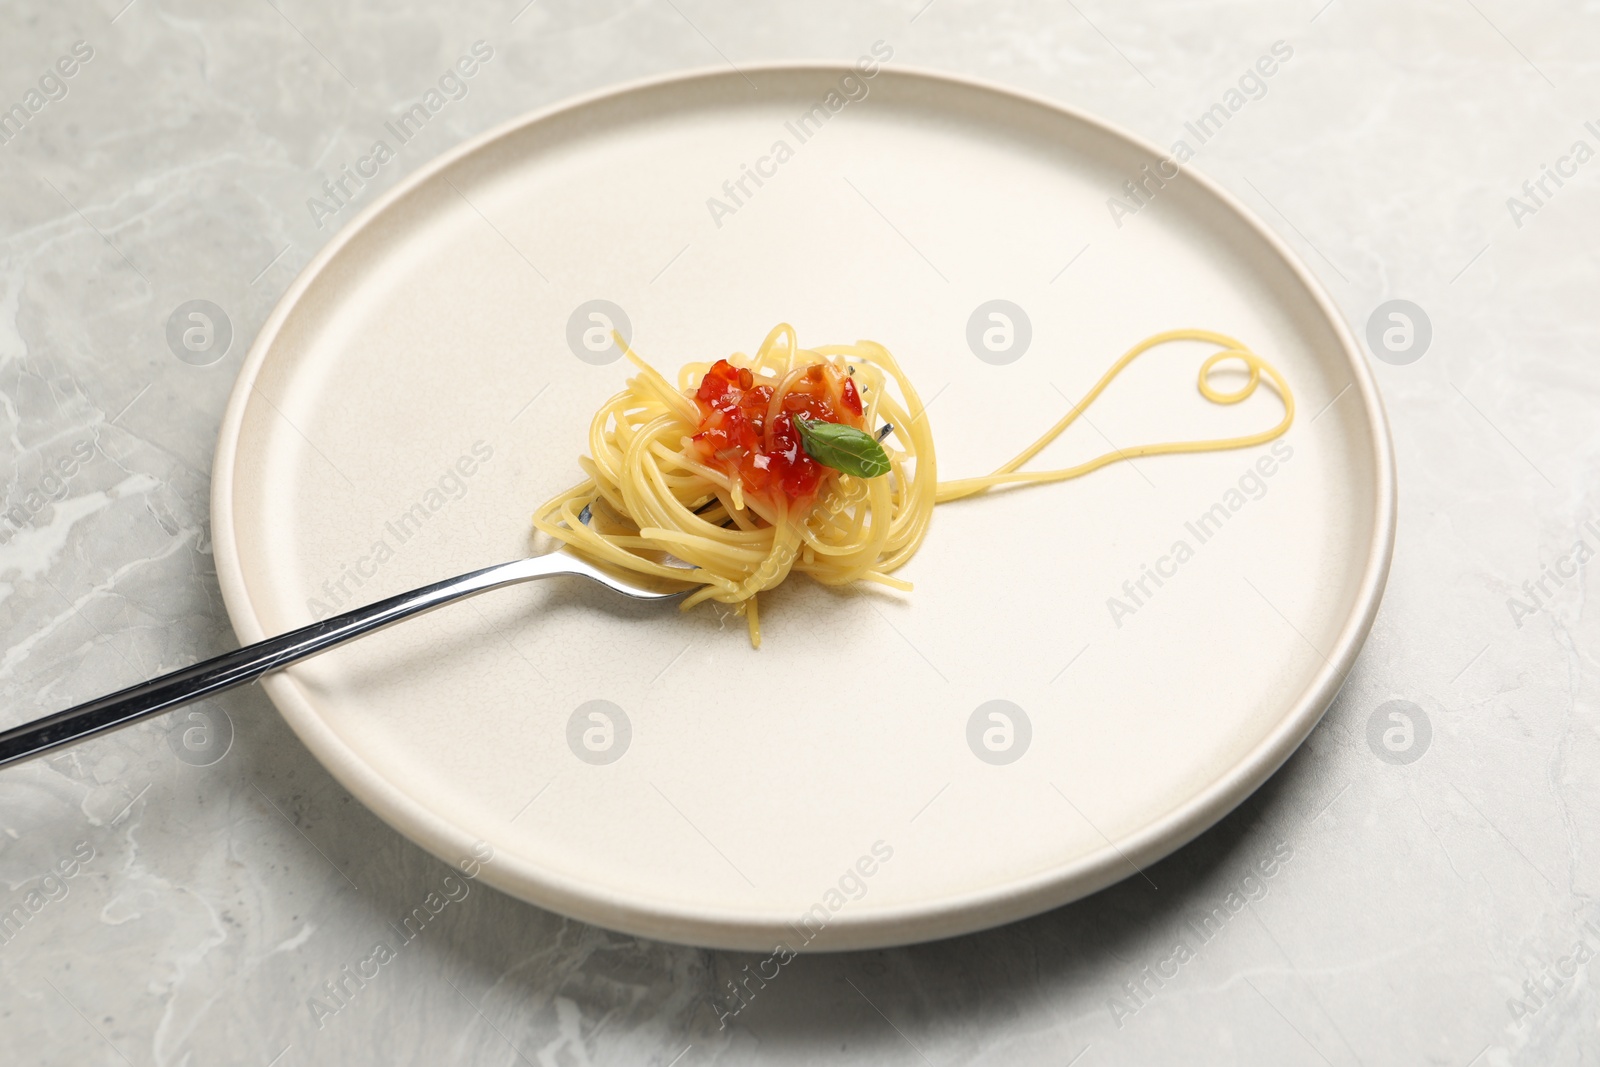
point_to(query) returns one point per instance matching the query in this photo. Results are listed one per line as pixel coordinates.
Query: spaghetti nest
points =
(652, 494)
(663, 501)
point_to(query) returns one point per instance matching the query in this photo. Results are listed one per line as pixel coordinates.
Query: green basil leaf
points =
(844, 448)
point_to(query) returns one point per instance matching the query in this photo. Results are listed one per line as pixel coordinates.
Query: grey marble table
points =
(198, 890)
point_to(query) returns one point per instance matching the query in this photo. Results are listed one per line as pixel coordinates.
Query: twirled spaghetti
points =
(717, 472)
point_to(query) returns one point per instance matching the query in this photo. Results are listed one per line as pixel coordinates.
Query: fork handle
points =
(244, 665)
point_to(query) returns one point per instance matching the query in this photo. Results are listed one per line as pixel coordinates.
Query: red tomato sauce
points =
(769, 461)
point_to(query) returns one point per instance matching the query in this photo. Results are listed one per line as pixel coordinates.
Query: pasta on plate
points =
(817, 461)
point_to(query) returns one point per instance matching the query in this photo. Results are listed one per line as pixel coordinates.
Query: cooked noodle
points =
(657, 502)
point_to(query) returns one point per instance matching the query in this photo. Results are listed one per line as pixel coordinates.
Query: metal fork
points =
(246, 664)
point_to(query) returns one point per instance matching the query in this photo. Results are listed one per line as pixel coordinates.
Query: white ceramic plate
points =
(420, 367)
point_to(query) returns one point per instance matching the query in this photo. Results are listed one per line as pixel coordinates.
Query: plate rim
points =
(856, 928)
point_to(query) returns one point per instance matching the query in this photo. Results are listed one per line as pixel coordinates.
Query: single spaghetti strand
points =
(1231, 349)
